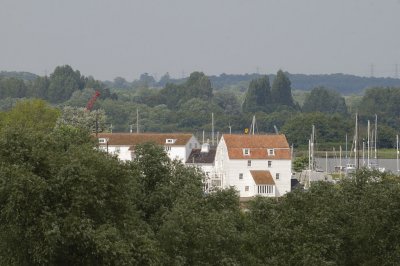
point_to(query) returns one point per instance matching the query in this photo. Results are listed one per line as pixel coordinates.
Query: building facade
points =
(255, 164)
(178, 146)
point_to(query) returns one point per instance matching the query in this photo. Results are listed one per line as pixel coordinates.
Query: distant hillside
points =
(19, 75)
(344, 84)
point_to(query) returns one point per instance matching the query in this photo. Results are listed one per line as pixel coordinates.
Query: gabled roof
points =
(258, 145)
(129, 139)
(262, 177)
(196, 156)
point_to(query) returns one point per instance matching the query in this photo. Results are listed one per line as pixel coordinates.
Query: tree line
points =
(65, 202)
(187, 105)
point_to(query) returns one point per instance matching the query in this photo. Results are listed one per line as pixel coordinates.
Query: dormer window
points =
(170, 141)
(271, 152)
(246, 151)
(102, 140)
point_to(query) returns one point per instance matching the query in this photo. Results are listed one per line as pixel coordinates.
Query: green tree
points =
(204, 230)
(258, 96)
(31, 115)
(324, 101)
(39, 87)
(227, 101)
(162, 182)
(12, 88)
(281, 90)
(63, 82)
(65, 203)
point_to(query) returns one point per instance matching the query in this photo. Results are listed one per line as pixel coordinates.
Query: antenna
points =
(230, 128)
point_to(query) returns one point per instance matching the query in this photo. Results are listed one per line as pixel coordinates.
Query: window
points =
(249, 163)
(195, 145)
(167, 148)
(133, 156)
(265, 189)
(240, 176)
(246, 188)
(169, 141)
(102, 140)
(246, 151)
(190, 145)
(117, 150)
(269, 164)
(271, 152)
(277, 176)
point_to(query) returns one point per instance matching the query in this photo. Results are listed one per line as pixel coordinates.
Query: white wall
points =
(230, 170)
(123, 154)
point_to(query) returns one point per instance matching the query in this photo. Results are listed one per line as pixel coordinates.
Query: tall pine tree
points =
(281, 90)
(258, 95)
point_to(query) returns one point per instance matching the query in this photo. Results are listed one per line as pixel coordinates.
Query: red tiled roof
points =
(258, 145)
(262, 177)
(134, 139)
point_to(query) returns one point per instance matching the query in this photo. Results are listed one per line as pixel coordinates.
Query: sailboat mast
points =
(356, 145)
(340, 161)
(376, 131)
(312, 146)
(212, 129)
(397, 153)
(137, 121)
(368, 144)
(253, 123)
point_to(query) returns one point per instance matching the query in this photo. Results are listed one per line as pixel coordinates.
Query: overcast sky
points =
(125, 38)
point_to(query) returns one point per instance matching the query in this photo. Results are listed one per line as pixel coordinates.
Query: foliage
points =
(12, 88)
(90, 121)
(324, 101)
(281, 90)
(30, 115)
(65, 203)
(384, 103)
(300, 163)
(63, 82)
(329, 128)
(258, 95)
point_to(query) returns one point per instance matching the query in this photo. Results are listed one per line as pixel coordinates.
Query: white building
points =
(204, 159)
(255, 164)
(178, 146)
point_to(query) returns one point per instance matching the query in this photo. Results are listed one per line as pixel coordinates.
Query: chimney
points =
(205, 148)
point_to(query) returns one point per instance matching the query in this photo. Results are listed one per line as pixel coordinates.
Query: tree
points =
(198, 86)
(39, 87)
(324, 101)
(162, 182)
(121, 83)
(63, 202)
(227, 101)
(281, 90)
(63, 82)
(258, 96)
(12, 88)
(31, 115)
(90, 121)
(164, 80)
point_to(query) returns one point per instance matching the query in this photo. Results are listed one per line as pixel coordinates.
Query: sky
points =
(125, 38)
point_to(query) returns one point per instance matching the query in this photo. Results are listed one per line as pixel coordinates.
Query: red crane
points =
(92, 100)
